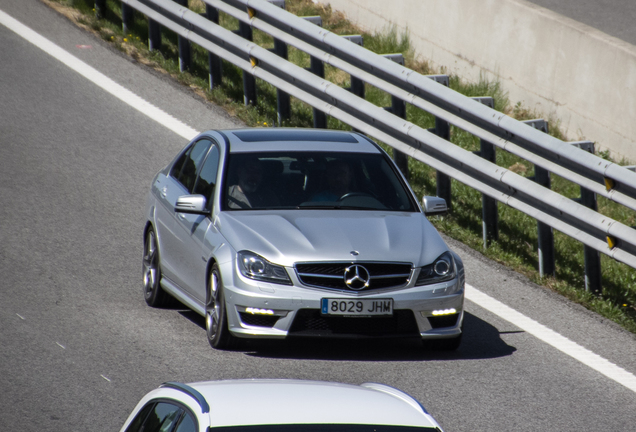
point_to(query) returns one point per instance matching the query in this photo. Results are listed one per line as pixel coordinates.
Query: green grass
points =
(517, 244)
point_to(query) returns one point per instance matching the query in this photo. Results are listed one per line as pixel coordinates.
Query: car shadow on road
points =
(480, 341)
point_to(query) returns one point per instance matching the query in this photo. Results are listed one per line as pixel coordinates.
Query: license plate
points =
(361, 307)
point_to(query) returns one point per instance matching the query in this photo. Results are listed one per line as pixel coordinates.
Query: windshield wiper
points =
(316, 207)
(331, 207)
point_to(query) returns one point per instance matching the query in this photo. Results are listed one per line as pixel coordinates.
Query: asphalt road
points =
(614, 17)
(78, 345)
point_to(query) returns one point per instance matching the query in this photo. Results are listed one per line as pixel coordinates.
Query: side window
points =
(187, 424)
(185, 169)
(137, 424)
(206, 181)
(162, 418)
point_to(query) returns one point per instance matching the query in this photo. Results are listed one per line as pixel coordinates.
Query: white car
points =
(278, 406)
(276, 233)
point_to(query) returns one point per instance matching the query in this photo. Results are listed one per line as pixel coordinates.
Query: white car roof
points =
(294, 139)
(258, 402)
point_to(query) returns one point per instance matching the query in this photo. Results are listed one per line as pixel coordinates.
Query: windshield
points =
(323, 428)
(314, 180)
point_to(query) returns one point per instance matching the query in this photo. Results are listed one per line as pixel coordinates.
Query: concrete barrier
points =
(553, 65)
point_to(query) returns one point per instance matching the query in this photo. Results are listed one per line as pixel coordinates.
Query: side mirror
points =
(193, 204)
(434, 205)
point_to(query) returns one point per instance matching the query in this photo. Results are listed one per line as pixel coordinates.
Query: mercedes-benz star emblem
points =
(357, 277)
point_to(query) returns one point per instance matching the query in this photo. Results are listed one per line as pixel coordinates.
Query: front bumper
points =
(266, 310)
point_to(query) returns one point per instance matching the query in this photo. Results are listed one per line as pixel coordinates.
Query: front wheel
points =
(216, 325)
(154, 295)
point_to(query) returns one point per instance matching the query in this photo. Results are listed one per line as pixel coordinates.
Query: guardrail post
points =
(545, 233)
(357, 85)
(318, 68)
(100, 9)
(398, 108)
(215, 63)
(592, 256)
(283, 105)
(126, 18)
(185, 50)
(489, 210)
(154, 35)
(249, 81)
(442, 130)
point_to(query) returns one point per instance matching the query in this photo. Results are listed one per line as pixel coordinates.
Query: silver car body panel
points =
(290, 236)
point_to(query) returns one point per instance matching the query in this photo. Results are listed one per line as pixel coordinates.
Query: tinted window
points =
(185, 169)
(295, 135)
(314, 180)
(207, 177)
(137, 423)
(187, 424)
(156, 417)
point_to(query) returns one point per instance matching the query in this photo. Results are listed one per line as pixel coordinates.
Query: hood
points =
(286, 237)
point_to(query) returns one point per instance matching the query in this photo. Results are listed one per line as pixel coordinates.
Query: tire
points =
(216, 325)
(154, 295)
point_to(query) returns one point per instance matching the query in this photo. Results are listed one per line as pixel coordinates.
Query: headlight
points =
(256, 267)
(442, 269)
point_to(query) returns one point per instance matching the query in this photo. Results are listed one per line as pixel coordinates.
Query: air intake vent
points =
(309, 322)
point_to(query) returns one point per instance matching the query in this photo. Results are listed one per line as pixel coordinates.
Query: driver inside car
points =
(340, 178)
(250, 192)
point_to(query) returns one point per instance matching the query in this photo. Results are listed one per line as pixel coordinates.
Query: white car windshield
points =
(314, 180)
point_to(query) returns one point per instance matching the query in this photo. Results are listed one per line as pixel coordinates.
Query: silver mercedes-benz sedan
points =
(275, 233)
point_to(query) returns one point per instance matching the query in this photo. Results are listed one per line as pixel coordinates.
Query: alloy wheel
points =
(150, 263)
(213, 308)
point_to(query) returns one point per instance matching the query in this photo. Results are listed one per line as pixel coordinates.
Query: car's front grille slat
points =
(320, 275)
(391, 276)
(332, 275)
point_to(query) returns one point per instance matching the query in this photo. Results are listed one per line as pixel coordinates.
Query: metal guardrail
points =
(578, 219)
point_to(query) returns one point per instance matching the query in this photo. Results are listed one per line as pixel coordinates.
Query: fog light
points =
(444, 312)
(257, 311)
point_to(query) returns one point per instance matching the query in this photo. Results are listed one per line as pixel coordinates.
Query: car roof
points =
(295, 139)
(267, 401)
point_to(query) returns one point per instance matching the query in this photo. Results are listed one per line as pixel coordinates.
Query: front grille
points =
(310, 322)
(443, 321)
(332, 275)
(258, 320)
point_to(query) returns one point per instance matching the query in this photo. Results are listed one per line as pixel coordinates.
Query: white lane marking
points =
(98, 78)
(20, 316)
(61, 346)
(105, 378)
(552, 338)
(541, 332)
